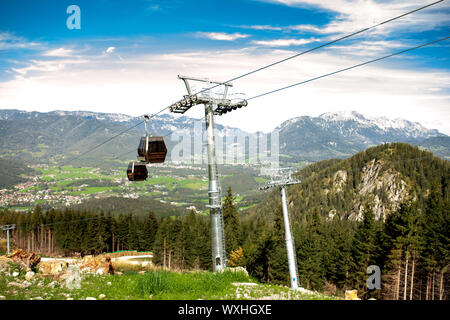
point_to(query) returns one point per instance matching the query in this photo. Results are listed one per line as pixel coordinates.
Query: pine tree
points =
(337, 257)
(310, 254)
(402, 240)
(436, 224)
(150, 229)
(363, 248)
(134, 233)
(278, 269)
(175, 247)
(231, 222)
(202, 244)
(112, 230)
(256, 249)
(122, 232)
(187, 240)
(101, 234)
(160, 246)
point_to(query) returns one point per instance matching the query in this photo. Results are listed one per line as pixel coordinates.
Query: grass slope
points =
(154, 285)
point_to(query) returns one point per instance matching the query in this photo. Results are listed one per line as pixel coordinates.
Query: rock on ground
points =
(236, 269)
(98, 265)
(29, 276)
(351, 295)
(52, 267)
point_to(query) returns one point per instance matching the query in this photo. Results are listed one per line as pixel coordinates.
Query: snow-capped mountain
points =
(342, 134)
(383, 124)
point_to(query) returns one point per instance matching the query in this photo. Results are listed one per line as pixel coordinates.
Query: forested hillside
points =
(387, 206)
(440, 146)
(384, 176)
(13, 172)
(139, 207)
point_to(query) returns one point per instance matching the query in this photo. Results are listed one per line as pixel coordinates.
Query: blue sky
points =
(127, 54)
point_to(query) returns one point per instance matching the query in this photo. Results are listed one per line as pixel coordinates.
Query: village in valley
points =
(68, 186)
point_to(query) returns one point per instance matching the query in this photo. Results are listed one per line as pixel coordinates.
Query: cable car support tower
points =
(290, 246)
(214, 105)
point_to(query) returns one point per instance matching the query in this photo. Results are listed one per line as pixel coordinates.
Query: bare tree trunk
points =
(164, 251)
(432, 288)
(441, 291)
(420, 289)
(412, 280)
(170, 256)
(41, 244)
(428, 288)
(397, 288)
(406, 277)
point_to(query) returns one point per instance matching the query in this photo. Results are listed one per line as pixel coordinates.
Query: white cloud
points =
(283, 42)
(353, 15)
(42, 68)
(110, 49)
(99, 83)
(9, 41)
(261, 27)
(222, 36)
(369, 48)
(60, 52)
(307, 27)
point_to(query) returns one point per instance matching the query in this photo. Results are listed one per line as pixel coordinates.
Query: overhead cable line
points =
(321, 46)
(345, 69)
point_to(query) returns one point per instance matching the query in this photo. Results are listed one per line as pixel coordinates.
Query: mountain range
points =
(57, 135)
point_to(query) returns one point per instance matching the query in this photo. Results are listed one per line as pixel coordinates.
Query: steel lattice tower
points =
(213, 106)
(290, 245)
